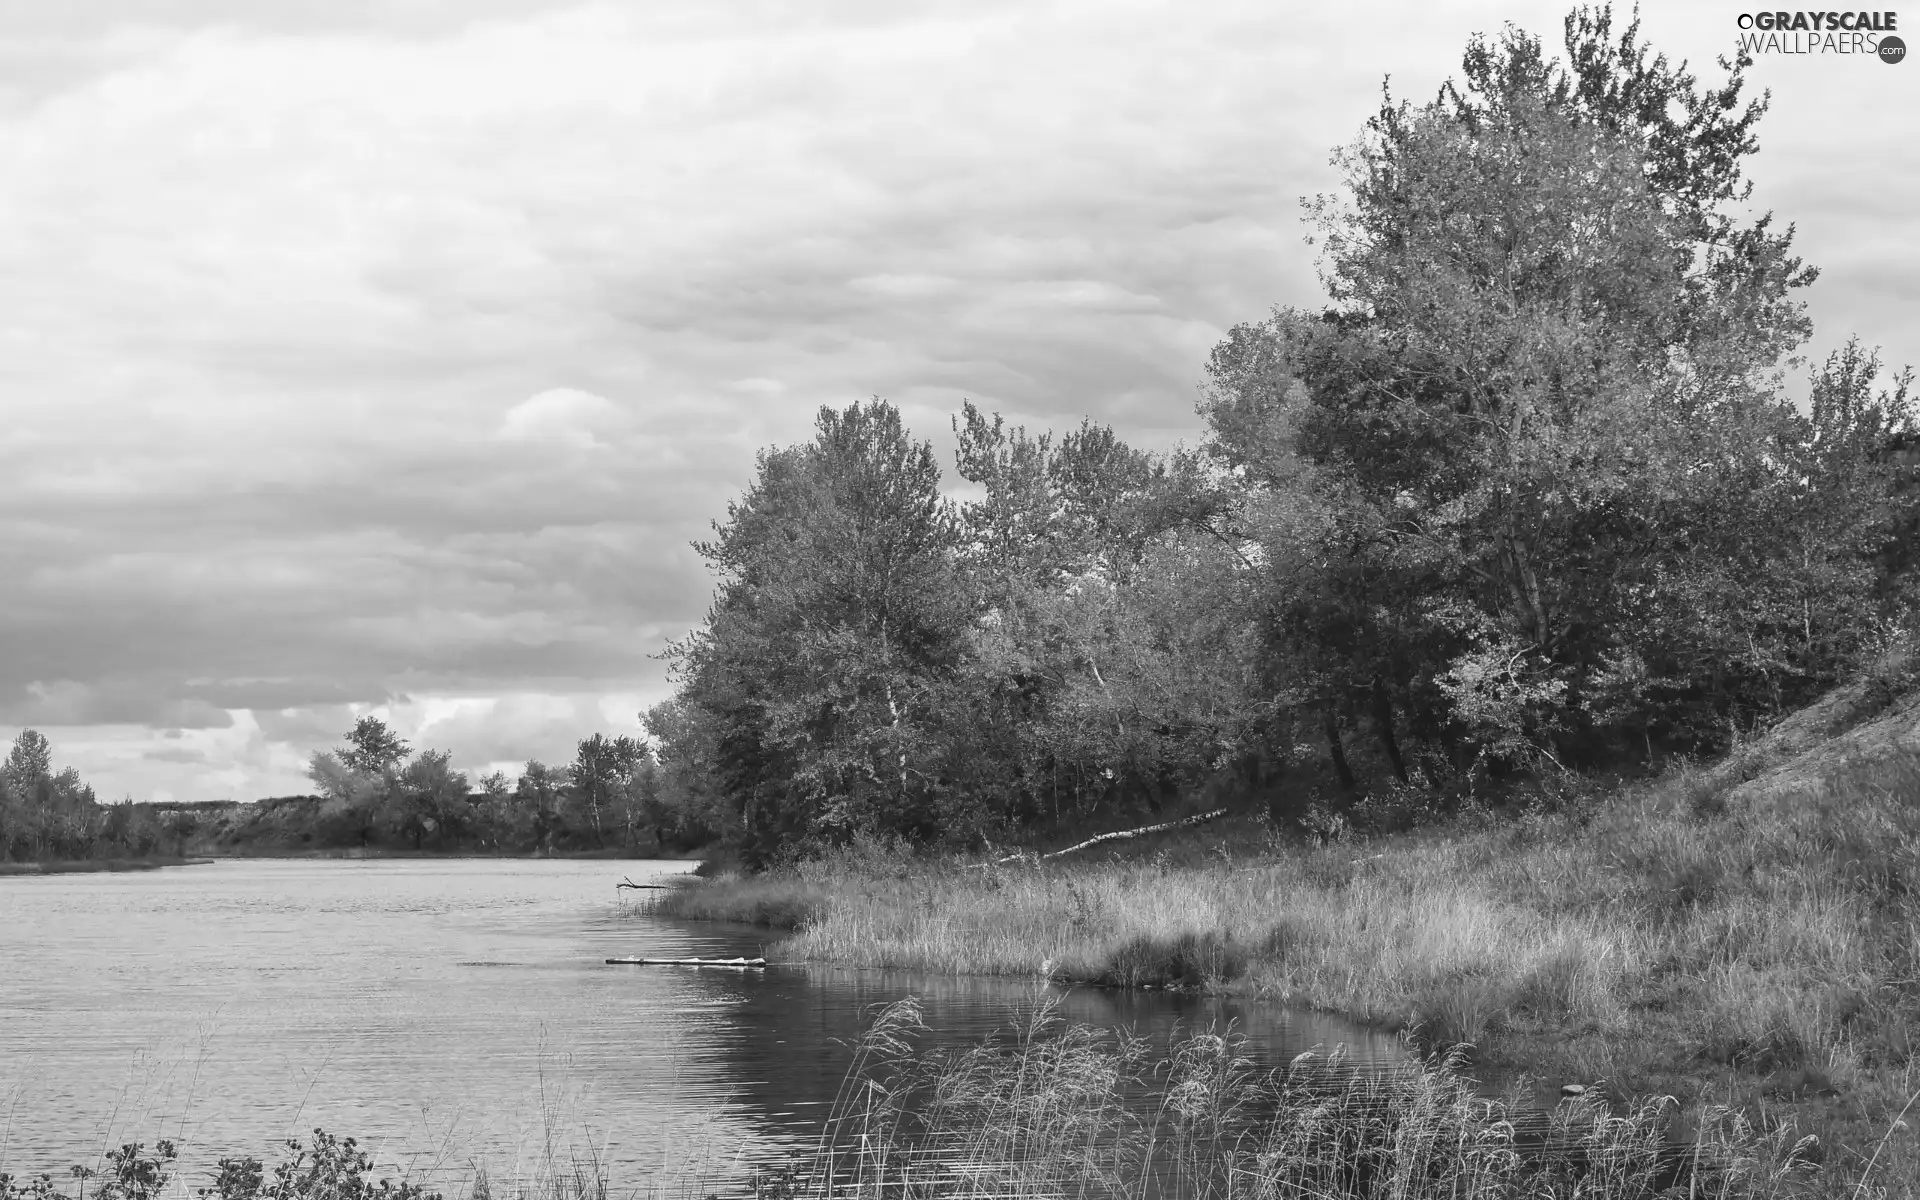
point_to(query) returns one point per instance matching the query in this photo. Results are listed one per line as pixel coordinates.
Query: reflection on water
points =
(448, 1012)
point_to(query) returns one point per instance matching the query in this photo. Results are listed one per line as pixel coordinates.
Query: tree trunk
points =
(1339, 752)
(1383, 721)
(1523, 586)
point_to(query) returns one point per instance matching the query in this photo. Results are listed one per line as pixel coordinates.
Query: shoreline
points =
(1651, 942)
(89, 866)
(155, 862)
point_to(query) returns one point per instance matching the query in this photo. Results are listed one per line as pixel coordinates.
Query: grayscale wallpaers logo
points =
(1861, 33)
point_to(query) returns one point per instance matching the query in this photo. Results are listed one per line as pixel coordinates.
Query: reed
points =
(1056, 1110)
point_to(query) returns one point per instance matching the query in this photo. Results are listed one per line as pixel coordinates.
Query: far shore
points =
(80, 866)
(155, 862)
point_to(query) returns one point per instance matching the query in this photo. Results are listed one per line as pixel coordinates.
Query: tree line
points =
(1526, 495)
(609, 797)
(374, 792)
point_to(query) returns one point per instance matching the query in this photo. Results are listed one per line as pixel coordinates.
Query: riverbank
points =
(1048, 1109)
(399, 852)
(88, 865)
(154, 862)
(1654, 941)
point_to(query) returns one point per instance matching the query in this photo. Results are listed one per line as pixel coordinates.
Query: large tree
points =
(1536, 438)
(837, 616)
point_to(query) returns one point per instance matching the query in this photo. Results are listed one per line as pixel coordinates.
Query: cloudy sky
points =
(386, 355)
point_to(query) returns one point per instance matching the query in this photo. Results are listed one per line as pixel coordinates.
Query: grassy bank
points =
(86, 865)
(1048, 1110)
(1764, 956)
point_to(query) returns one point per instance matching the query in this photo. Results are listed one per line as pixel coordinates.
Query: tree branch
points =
(1117, 835)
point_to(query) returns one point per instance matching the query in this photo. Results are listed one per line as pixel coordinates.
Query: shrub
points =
(1187, 960)
(1457, 1012)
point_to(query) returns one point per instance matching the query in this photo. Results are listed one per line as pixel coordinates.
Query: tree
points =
(1108, 585)
(537, 795)
(363, 778)
(358, 795)
(372, 748)
(1532, 436)
(683, 794)
(30, 761)
(837, 615)
(602, 769)
(43, 813)
(430, 799)
(1011, 536)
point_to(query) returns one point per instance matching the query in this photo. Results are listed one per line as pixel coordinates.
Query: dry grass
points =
(1056, 1110)
(1656, 937)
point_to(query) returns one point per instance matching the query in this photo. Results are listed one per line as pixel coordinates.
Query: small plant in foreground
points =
(331, 1169)
(131, 1175)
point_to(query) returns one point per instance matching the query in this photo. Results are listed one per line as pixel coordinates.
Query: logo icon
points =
(1892, 50)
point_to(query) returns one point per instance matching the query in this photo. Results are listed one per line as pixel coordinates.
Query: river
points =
(453, 1012)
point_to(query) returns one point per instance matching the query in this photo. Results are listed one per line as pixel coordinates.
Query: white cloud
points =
(564, 416)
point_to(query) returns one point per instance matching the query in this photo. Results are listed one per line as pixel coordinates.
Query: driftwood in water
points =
(687, 962)
(1117, 835)
(658, 887)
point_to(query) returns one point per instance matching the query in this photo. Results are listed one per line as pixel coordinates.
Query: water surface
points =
(453, 1011)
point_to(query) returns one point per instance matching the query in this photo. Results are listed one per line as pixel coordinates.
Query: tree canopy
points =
(1526, 492)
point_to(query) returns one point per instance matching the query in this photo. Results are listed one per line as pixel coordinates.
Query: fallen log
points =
(687, 962)
(1115, 836)
(658, 887)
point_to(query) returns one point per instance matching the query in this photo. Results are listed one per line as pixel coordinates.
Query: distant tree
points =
(30, 761)
(372, 748)
(600, 774)
(359, 795)
(430, 800)
(44, 814)
(129, 828)
(538, 796)
(363, 777)
(493, 824)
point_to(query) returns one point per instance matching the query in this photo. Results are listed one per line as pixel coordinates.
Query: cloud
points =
(174, 754)
(68, 702)
(360, 354)
(563, 416)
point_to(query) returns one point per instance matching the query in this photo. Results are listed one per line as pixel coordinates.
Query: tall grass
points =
(1657, 937)
(1059, 1110)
